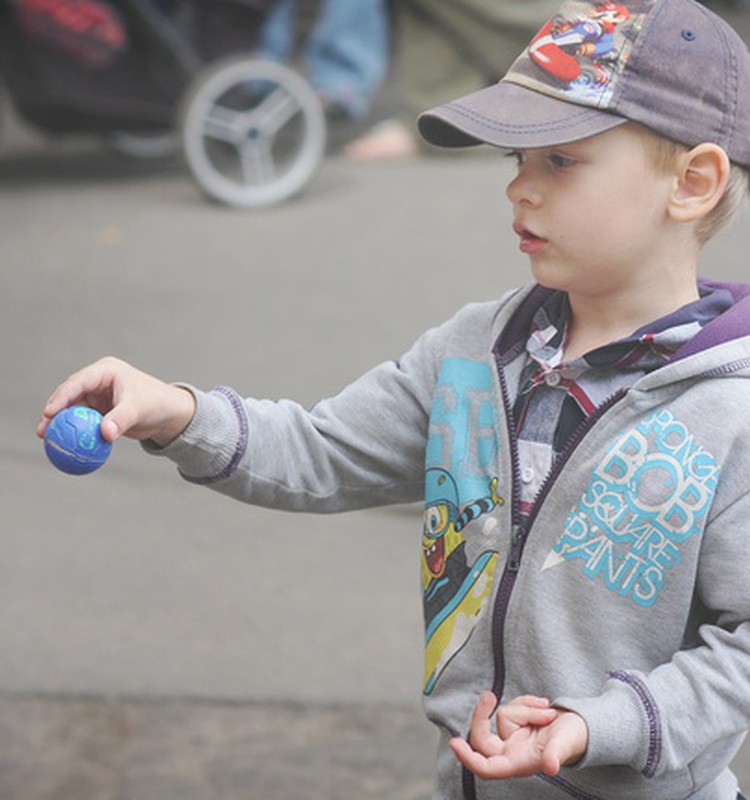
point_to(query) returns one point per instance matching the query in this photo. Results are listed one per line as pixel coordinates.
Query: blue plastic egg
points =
(73, 441)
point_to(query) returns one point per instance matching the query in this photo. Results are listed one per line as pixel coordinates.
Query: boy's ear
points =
(701, 179)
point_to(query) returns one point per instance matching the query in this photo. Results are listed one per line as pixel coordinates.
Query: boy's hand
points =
(532, 737)
(133, 403)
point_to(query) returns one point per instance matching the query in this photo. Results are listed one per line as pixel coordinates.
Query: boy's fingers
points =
(481, 721)
(88, 382)
(551, 762)
(529, 700)
(497, 767)
(60, 399)
(473, 761)
(512, 717)
(485, 706)
(460, 747)
(94, 386)
(111, 429)
(122, 415)
(522, 711)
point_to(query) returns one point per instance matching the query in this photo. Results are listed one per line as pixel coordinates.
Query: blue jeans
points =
(346, 54)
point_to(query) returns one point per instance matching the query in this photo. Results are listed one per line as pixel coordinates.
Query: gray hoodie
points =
(624, 596)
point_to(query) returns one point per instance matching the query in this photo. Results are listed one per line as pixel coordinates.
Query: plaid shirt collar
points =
(644, 350)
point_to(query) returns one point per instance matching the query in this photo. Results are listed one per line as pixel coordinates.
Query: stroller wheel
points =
(253, 132)
(143, 146)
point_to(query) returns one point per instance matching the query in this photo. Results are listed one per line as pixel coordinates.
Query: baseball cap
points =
(671, 65)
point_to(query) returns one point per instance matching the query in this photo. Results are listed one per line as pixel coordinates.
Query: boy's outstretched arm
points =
(531, 737)
(133, 403)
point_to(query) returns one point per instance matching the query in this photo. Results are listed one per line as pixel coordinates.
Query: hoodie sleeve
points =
(665, 720)
(362, 447)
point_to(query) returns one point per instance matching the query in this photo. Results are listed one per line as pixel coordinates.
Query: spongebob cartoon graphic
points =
(461, 487)
(454, 590)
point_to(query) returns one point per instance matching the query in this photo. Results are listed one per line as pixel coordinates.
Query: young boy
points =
(581, 444)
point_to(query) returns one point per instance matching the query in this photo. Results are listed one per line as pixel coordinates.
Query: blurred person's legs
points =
(444, 49)
(277, 36)
(345, 55)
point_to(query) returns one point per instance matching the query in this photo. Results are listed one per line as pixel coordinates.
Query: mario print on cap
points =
(580, 53)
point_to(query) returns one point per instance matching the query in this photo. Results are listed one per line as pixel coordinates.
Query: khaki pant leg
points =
(431, 66)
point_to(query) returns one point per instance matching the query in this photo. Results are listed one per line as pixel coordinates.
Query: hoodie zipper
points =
(519, 532)
(519, 527)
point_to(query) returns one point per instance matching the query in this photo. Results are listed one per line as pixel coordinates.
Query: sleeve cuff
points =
(212, 445)
(623, 725)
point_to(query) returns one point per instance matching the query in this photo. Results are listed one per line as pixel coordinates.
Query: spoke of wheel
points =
(257, 162)
(275, 111)
(223, 124)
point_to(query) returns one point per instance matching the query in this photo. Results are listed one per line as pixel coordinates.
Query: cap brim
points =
(512, 116)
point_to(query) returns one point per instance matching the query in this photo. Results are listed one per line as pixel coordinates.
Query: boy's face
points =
(592, 215)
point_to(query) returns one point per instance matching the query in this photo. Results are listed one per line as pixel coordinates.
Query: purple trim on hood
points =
(732, 324)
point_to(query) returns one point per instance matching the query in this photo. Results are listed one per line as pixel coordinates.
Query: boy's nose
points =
(521, 191)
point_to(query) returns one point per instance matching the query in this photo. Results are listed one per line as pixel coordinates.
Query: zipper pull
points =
(517, 536)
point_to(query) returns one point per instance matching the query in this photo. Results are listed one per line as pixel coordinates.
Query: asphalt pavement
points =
(159, 641)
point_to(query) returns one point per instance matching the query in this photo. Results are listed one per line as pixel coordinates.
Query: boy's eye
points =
(558, 161)
(561, 161)
(517, 156)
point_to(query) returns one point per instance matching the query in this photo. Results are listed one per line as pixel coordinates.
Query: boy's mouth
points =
(530, 243)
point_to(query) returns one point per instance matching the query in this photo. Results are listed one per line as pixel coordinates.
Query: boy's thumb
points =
(110, 429)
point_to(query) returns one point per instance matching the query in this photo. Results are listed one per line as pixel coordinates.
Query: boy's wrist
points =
(580, 737)
(182, 407)
(210, 440)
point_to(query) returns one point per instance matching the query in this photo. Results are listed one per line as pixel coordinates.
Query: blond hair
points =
(664, 151)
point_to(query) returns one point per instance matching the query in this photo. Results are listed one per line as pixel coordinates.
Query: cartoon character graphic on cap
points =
(581, 49)
(455, 587)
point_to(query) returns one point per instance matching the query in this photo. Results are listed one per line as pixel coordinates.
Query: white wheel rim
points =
(253, 173)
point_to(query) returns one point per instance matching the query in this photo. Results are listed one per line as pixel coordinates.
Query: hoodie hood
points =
(732, 324)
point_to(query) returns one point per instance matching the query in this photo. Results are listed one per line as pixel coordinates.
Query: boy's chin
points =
(559, 276)
(548, 277)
